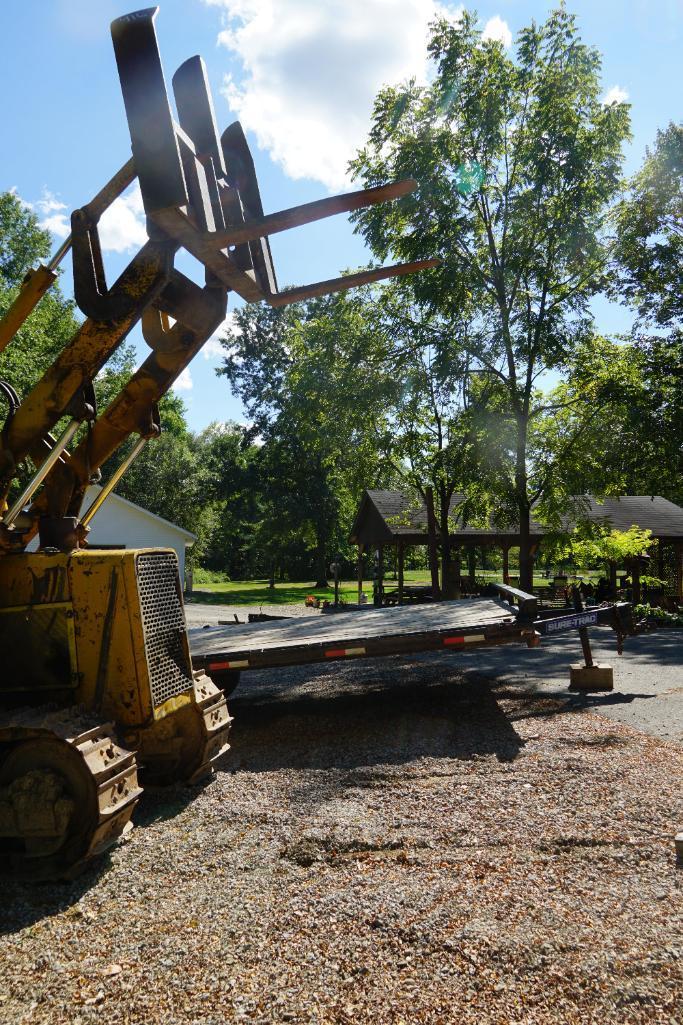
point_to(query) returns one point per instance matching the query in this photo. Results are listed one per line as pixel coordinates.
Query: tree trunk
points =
(431, 543)
(526, 562)
(321, 567)
(472, 563)
(526, 559)
(450, 567)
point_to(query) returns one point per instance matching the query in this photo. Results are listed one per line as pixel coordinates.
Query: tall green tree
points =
(233, 505)
(648, 264)
(517, 161)
(319, 404)
(443, 421)
(24, 244)
(648, 246)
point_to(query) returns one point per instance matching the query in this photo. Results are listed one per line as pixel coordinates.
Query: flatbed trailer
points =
(509, 618)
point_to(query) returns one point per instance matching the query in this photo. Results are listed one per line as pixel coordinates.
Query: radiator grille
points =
(163, 622)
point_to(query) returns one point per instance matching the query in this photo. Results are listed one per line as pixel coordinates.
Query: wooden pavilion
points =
(393, 519)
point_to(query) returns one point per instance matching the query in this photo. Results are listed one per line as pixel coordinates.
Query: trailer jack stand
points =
(592, 676)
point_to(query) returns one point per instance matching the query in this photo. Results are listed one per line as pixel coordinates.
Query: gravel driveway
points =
(388, 841)
(648, 677)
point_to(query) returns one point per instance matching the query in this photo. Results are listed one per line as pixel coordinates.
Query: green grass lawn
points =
(257, 592)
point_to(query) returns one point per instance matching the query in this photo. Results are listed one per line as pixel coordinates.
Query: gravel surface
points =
(648, 677)
(387, 842)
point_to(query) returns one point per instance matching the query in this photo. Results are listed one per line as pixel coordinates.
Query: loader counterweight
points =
(103, 634)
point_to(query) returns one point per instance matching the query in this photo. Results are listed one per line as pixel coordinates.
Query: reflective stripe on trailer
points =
(464, 639)
(243, 664)
(341, 652)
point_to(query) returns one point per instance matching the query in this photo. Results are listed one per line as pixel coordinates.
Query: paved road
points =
(648, 677)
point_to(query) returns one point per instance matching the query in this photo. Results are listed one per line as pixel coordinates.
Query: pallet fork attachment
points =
(201, 190)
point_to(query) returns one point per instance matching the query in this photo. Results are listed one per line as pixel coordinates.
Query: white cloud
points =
(122, 225)
(57, 225)
(498, 29)
(50, 213)
(307, 73)
(48, 203)
(615, 95)
(184, 382)
(212, 348)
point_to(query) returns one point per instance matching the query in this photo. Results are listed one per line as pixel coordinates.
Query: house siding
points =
(122, 524)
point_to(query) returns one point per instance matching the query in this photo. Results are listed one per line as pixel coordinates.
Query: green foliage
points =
(52, 324)
(233, 501)
(210, 576)
(523, 252)
(648, 265)
(657, 615)
(649, 581)
(591, 543)
(22, 242)
(649, 233)
(612, 427)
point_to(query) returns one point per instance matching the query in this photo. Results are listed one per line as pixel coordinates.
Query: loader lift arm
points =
(200, 193)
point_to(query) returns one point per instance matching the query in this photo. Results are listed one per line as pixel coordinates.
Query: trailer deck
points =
(365, 633)
(508, 616)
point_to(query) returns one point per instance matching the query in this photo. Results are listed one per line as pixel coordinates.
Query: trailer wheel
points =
(225, 679)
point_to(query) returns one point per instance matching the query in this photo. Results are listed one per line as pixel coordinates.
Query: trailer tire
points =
(225, 679)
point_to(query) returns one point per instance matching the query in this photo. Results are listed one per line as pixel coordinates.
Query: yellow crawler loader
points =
(96, 683)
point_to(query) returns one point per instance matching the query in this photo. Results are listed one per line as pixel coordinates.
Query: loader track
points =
(67, 792)
(216, 723)
(184, 747)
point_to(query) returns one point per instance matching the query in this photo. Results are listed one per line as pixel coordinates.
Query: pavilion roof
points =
(387, 516)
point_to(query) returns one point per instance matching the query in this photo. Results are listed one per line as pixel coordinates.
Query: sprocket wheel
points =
(63, 802)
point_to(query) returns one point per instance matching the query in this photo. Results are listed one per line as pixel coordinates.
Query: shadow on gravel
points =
(379, 720)
(663, 647)
(532, 698)
(160, 804)
(551, 659)
(23, 904)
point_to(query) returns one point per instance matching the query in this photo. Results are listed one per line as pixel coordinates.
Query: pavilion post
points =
(360, 571)
(679, 570)
(379, 579)
(400, 571)
(506, 563)
(471, 563)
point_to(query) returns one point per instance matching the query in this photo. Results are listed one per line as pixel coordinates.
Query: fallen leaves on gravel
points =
(385, 844)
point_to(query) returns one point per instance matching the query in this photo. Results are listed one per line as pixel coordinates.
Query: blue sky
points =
(301, 75)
